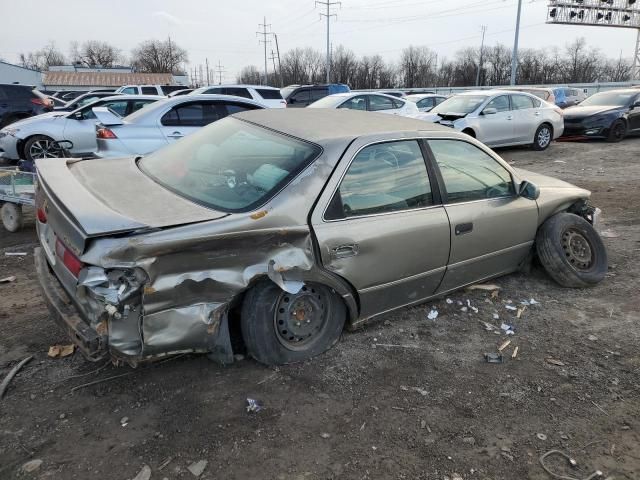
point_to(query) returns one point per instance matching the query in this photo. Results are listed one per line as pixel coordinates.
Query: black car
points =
(298, 96)
(21, 101)
(83, 100)
(611, 115)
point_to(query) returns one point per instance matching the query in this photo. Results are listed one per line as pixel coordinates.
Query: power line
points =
(264, 40)
(328, 4)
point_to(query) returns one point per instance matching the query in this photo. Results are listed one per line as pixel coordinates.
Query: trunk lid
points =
(84, 199)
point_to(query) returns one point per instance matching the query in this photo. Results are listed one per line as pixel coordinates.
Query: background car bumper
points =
(9, 147)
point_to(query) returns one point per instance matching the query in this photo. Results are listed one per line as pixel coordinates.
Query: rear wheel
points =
(542, 138)
(40, 146)
(571, 251)
(280, 327)
(617, 131)
(11, 216)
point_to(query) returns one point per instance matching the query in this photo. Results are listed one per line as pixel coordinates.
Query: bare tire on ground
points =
(11, 216)
(280, 327)
(543, 137)
(571, 251)
(40, 146)
(617, 131)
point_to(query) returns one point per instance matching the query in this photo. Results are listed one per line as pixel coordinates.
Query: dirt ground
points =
(428, 407)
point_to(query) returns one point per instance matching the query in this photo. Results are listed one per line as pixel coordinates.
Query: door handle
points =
(537, 114)
(463, 228)
(176, 135)
(346, 250)
(509, 117)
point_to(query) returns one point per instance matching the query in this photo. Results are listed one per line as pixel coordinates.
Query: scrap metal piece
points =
(493, 357)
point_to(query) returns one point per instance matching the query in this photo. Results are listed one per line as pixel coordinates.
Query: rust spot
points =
(259, 215)
(148, 290)
(102, 328)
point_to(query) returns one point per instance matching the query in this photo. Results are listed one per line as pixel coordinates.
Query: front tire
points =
(280, 327)
(543, 137)
(571, 251)
(617, 131)
(40, 146)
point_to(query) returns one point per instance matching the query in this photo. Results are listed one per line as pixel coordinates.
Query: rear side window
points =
(425, 103)
(170, 88)
(214, 91)
(130, 91)
(301, 96)
(382, 178)
(377, 103)
(521, 102)
(469, 173)
(149, 91)
(355, 103)
(195, 114)
(269, 94)
(237, 92)
(318, 93)
(118, 107)
(138, 104)
(397, 103)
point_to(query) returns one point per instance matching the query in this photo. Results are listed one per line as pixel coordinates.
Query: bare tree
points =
(156, 56)
(417, 67)
(249, 75)
(42, 59)
(94, 53)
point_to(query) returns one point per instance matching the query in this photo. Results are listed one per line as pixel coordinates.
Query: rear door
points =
(497, 128)
(526, 117)
(381, 226)
(492, 228)
(378, 103)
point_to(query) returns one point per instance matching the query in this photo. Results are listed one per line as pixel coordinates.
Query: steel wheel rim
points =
(577, 249)
(42, 149)
(544, 137)
(300, 319)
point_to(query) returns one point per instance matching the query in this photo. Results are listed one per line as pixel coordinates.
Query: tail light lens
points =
(73, 263)
(105, 133)
(42, 215)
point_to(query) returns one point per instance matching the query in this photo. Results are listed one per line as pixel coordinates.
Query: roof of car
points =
(322, 125)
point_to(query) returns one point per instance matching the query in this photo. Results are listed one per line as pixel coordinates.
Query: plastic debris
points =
(61, 351)
(609, 234)
(8, 279)
(593, 338)
(15, 254)
(541, 436)
(433, 314)
(496, 316)
(421, 391)
(520, 312)
(325, 435)
(508, 329)
(464, 309)
(31, 466)
(488, 287)
(510, 307)
(449, 301)
(124, 421)
(515, 352)
(493, 357)
(475, 309)
(144, 474)
(553, 361)
(504, 345)
(197, 468)
(253, 405)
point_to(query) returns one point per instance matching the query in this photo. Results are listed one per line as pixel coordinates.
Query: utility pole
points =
(484, 30)
(208, 79)
(514, 55)
(275, 70)
(328, 4)
(635, 72)
(264, 40)
(219, 71)
(279, 64)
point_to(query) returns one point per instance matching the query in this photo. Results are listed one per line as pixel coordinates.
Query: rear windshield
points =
(609, 99)
(286, 91)
(460, 104)
(230, 165)
(269, 94)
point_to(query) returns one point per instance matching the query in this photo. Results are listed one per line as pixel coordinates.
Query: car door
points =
(381, 226)
(526, 118)
(492, 228)
(378, 103)
(496, 128)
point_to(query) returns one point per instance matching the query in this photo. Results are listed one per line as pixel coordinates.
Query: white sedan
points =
(33, 137)
(368, 101)
(500, 118)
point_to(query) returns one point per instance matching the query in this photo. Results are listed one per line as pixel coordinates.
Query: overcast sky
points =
(225, 31)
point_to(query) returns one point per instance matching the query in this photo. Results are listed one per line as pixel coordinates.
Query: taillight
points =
(105, 133)
(38, 101)
(42, 215)
(73, 263)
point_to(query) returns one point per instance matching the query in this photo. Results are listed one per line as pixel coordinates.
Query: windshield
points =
(608, 99)
(460, 104)
(230, 165)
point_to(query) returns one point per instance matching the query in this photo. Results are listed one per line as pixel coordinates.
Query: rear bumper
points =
(89, 342)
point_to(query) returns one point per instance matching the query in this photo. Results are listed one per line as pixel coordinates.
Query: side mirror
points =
(489, 111)
(77, 116)
(528, 190)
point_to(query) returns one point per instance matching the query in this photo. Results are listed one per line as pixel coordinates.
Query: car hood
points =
(588, 111)
(111, 196)
(544, 181)
(39, 118)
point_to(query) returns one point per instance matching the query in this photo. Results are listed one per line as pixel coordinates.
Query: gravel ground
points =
(430, 408)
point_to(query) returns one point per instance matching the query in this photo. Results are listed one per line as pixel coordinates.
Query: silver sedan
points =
(500, 118)
(33, 137)
(163, 123)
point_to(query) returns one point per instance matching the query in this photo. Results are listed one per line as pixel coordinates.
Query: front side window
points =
(269, 93)
(355, 103)
(86, 101)
(521, 102)
(194, 114)
(138, 104)
(501, 103)
(230, 165)
(460, 104)
(386, 177)
(213, 91)
(149, 91)
(130, 91)
(237, 92)
(318, 93)
(301, 96)
(377, 103)
(469, 173)
(425, 103)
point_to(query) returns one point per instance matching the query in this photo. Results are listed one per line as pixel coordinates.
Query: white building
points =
(10, 73)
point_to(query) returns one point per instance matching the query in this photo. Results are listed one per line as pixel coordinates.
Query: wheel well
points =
(470, 132)
(548, 125)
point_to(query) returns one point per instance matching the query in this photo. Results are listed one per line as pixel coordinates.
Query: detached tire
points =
(11, 217)
(280, 327)
(571, 251)
(543, 137)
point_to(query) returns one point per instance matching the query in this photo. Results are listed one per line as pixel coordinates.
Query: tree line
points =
(420, 66)
(150, 56)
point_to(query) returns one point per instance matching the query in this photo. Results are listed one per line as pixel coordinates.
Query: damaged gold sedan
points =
(283, 225)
